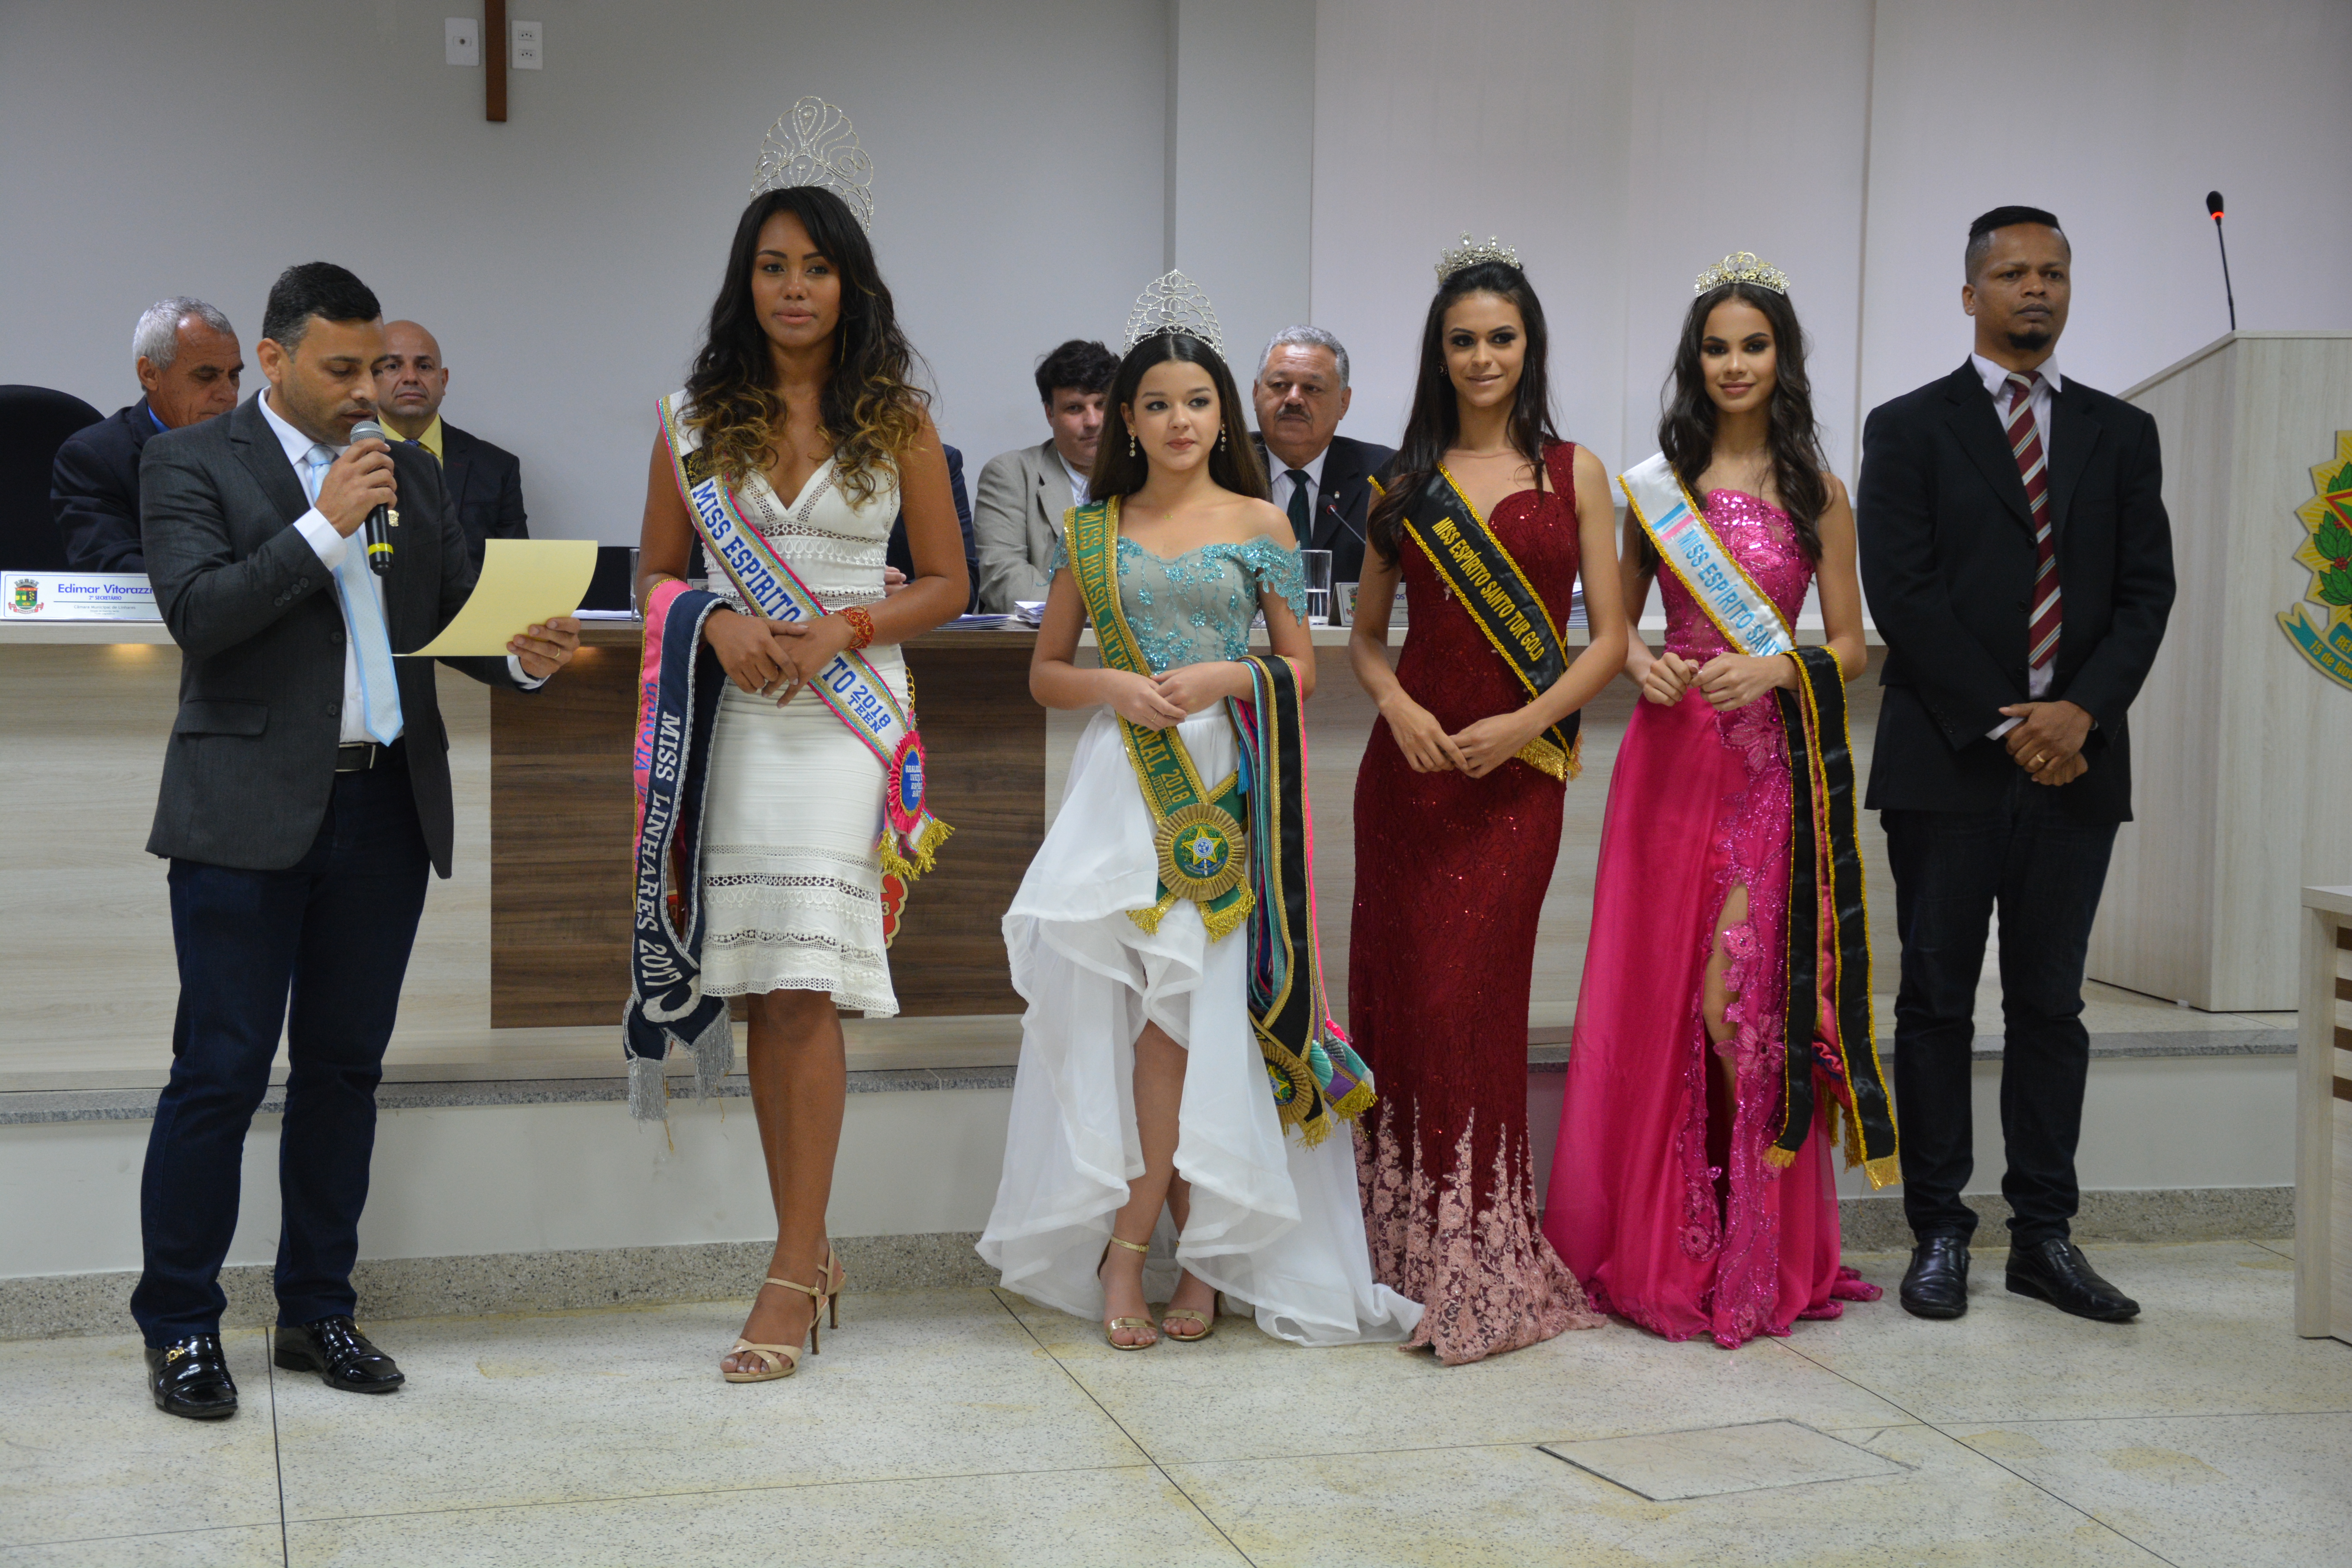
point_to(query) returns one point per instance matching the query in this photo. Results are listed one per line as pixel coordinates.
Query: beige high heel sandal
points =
(830, 1272)
(1112, 1325)
(779, 1361)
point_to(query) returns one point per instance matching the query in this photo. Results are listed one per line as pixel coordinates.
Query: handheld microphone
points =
(2213, 210)
(379, 521)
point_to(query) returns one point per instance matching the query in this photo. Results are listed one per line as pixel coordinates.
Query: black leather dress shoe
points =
(1936, 1283)
(190, 1377)
(336, 1349)
(2056, 1271)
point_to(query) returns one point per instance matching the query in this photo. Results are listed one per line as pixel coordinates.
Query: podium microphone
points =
(379, 521)
(2213, 208)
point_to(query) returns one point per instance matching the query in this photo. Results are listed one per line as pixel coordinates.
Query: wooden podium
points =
(2242, 745)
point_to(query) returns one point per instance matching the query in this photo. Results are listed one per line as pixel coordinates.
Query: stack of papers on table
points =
(1029, 612)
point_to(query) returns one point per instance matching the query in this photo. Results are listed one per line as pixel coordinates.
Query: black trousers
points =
(2043, 869)
(331, 936)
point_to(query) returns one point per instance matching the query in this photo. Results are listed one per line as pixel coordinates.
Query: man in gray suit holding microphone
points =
(306, 789)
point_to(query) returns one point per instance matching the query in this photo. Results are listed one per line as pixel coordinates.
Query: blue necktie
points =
(363, 613)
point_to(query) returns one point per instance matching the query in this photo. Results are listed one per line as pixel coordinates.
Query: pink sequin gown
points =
(1450, 880)
(1699, 804)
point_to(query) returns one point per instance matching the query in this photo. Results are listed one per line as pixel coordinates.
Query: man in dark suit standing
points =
(188, 364)
(306, 789)
(2018, 563)
(1320, 478)
(483, 483)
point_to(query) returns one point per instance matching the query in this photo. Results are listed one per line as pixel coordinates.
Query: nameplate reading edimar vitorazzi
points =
(77, 596)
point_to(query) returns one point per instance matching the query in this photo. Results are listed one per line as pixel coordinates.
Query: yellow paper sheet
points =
(523, 582)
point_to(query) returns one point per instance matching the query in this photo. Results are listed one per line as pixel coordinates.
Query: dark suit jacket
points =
(903, 558)
(94, 491)
(1948, 562)
(251, 759)
(483, 484)
(1342, 499)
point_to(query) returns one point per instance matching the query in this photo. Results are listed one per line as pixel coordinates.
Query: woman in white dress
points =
(1144, 1086)
(801, 401)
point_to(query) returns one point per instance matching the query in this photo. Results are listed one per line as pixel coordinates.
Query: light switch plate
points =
(527, 53)
(461, 40)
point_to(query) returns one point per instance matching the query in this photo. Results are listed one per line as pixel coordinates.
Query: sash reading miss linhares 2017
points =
(1824, 855)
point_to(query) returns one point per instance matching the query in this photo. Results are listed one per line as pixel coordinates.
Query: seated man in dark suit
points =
(484, 483)
(188, 363)
(902, 559)
(1320, 478)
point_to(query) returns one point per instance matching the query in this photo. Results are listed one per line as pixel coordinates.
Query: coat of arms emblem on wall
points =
(2325, 637)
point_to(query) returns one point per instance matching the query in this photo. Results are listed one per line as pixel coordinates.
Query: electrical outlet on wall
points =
(461, 40)
(527, 53)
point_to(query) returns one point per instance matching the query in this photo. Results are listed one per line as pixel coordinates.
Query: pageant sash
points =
(1204, 855)
(850, 685)
(678, 707)
(1745, 614)
(1825, 878)
(1471, 561)
(1315, 1073)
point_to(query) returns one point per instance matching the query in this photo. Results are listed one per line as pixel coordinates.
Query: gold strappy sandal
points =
(777, 1361)
(1206, 1325)
(1112, 1325)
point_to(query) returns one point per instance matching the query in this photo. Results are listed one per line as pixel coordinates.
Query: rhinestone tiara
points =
(1741, 267)
(1468, 254)
(812, 144)
(1174, 304)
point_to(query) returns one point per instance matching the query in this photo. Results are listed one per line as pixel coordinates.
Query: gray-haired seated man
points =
(188, 363)
(1322, 479)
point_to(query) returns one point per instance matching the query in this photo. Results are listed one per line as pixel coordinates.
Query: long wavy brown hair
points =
(871, 408)
(1686, 429)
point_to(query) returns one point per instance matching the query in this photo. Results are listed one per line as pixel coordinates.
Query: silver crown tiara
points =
(812, 144)
(1741, 267)
(1174, 304)
(1467, 254)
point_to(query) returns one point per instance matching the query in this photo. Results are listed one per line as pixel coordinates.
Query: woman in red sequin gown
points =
(1456, 835)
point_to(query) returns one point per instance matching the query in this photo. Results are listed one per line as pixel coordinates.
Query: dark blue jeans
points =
(332, 934)
(2042, 868)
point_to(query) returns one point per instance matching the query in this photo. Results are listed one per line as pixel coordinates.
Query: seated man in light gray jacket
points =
(1017, 512)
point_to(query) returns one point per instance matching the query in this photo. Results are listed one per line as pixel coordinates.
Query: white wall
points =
(566, 258)
(1622, 146)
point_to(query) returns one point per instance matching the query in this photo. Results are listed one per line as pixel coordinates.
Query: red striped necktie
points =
(2033, 466)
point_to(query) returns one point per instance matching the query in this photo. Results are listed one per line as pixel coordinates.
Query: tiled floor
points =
(955, 1428)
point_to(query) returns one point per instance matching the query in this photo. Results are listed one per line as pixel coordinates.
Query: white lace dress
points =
(790, 874)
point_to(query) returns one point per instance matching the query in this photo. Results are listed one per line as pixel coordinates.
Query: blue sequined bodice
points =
(1196, 607)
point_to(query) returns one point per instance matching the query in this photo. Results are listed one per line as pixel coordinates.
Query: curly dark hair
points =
(1080, 363)
(871, 408)
(1233, 462)
(1435, 423)
(1686, 430)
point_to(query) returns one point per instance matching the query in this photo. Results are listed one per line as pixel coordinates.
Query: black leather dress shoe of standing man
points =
(2055, 1271)
(1936, 1283)
(336, 1349)
(190, 1377)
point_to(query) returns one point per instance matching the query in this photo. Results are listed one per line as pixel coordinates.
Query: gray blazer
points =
(1016, 518)
(251, 759)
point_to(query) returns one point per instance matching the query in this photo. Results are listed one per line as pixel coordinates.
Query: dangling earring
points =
(1220, 440)
(1132, 449)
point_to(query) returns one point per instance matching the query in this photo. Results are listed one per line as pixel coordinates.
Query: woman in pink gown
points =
(1663, 1201)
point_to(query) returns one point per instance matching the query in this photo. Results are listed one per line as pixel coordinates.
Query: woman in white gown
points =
(1144, 1085)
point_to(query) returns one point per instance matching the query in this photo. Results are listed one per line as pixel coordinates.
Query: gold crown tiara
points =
(1467, 254)
(812, 144)
(1741, 267)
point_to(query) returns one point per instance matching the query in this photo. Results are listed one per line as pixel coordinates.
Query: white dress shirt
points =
(330, 546)
(1996, 382)
(1079, 495)
(1283, 485)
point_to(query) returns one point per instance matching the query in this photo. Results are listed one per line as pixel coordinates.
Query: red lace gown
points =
(1450, 880)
